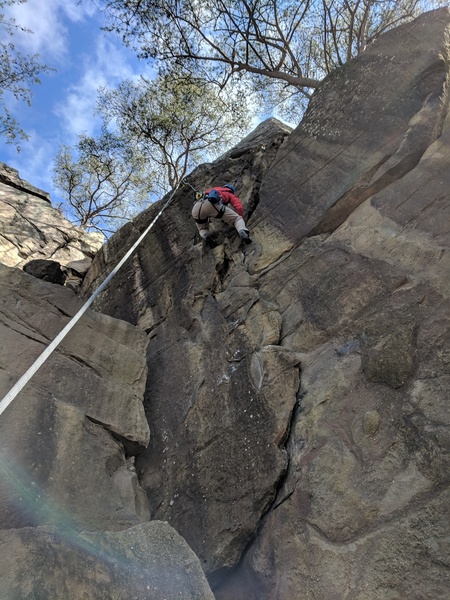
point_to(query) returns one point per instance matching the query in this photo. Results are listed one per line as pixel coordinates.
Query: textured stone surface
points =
(298, 387)
(363, 511)
(149, 561)
(367, 125)
(60, 438)
(65, 444)
(30, 228)
(220, 393)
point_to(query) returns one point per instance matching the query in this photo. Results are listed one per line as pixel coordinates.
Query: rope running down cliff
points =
(58, 339)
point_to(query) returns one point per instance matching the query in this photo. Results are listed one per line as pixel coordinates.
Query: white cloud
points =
(76, 11)
(107, 66)
(35, 162)
(46, 21)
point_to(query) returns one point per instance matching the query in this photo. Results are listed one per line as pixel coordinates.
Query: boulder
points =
(146, 561)
(48, 270)
(63, 438)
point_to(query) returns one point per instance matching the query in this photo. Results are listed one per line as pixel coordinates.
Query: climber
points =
(212, 205)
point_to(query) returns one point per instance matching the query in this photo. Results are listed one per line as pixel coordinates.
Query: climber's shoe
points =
(209, 241)
(244, 234)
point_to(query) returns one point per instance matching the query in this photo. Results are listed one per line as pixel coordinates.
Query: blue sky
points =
(68, 37)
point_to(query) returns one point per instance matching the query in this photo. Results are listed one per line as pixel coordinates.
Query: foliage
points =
(175, 121)
(289, 45)
(103, 181)
(276, 51)
(18, 73)
(153, 132)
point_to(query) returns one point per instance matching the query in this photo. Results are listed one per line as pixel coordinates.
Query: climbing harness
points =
(202, 198)
(199, 220)
(220, 211)
(198, 197)
(62, 334)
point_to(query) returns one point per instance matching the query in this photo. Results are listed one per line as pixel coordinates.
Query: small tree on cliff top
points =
(102, 182)
(158, 131)
(175, 121)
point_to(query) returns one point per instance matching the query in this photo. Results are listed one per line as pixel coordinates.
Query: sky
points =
(68, 37)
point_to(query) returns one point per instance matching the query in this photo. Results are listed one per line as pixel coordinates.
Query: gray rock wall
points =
(216, 452)
(31, 229)
(148, 561)
(73, 516)
(62, 438)
(298, 387)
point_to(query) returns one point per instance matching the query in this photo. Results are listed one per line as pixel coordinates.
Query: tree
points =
(102, 180)
(18, 73)
(349, 27)
(175, 121)
(153, 132)
(291, 44)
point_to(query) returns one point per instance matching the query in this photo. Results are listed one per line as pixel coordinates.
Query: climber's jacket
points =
(229, 198)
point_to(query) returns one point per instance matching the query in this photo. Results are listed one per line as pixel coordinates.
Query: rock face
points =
(63, 437)
(220, 394)
(48, 270)
(66, 459)
(31, 229)
(146, 561)
(298, 388)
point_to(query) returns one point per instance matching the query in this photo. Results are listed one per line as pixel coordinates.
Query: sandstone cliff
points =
(73, 516)
(296, 389)
(31, 230)
(72, 513)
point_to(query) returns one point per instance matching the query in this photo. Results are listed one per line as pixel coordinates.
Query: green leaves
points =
(18, 73)
(278, 44)
(102, 180)
(154, 133)
(175, 120)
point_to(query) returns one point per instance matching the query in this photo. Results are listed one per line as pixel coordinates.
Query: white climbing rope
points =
(58, 339)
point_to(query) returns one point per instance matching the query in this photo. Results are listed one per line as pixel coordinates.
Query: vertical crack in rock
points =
(286, 488)
(279, 495)
(253, 204)
(222, 271)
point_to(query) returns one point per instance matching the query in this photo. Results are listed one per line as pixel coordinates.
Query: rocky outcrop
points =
(297, 389)
(31, 229)
(73, 516)
(62, 439)
(48, 270)
(216, 453)
(145, 561)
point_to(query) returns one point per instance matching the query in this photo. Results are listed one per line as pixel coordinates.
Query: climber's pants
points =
(203, 211)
